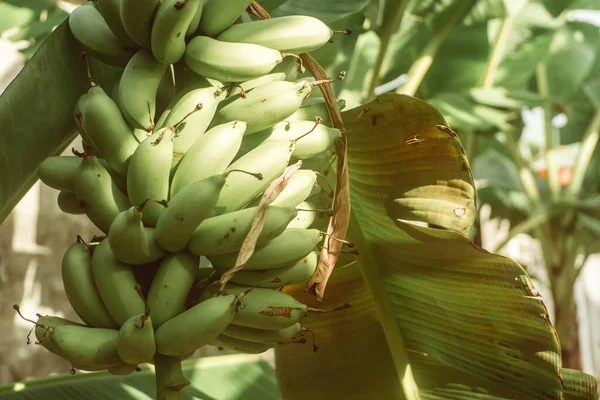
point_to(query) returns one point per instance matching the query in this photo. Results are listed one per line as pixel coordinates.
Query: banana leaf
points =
(231, 377)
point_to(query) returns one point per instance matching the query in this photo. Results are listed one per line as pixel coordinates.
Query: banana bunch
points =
(175, 186)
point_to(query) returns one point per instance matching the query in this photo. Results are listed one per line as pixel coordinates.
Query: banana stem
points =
(421, 66)
(551, 138)
(386, 37)
(169, 377)
(497, 52)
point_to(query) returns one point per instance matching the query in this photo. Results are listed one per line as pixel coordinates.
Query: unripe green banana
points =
(196, 326)
(148, 173)
(277, 277)
(252, 83)
(290, 67)
(107, 130)
(216, 17)
(137, 17)
(99, 196)
(171, 286)
(116, 284)
(291, 34)
(315, 107)
(80, 121)
(172, 18)
(288, 248)
(210, 155)
(123, 369)
(306, 216)
(225, 233)
(229, 62)
(80, 288)
(269, 159)
(263, 308)
(138, 88)
(193, 27)
(239, 345)
(82, 345)
(263, 335)
(186, 210)
(265, 105)
(311, 138)
(69, 203)
(42, 333)
(91, 30)
(59, 172)
(194, 125)
(136, 340)
(130, 241)
(90, 368)
(111, 11)
(299, 187)
(186, 81)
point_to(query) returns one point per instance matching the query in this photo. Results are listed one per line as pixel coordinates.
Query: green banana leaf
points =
(230, 377)
(461, 319)
(36, 112)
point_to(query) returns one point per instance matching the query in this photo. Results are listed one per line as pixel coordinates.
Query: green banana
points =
(116, 284)
(148, 173)
(306, 216)
(91, 30)
(239, 345)
(266, 105)
(89, 368)
(277, 277)
(315, 107)
(210, 155)
(193, 27)
(59, 172)
(252, 83)
(226, 233)
(263, 335)
(288, 248)
(291, 34)
(42, 331)
(186, 210)
(98, 195)
(83, 345)
(216, 17)
(136, 340)
(123, 369)
(111, 11)
(263, 308)
(269, 159)
(137, 17)
(194, 125)
(229, 62)
(299, 187)
(172, 18)
(130, 241)
(80, 287)
(311, 138)
(196, 326)
(107, 130)
(186, 81)
(69, 203)
(138, 87)
(171, 286)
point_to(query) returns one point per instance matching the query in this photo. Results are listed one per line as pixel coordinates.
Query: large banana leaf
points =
(459, 317)
(232, 377)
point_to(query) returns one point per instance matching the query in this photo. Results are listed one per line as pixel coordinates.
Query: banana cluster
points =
(170, 191)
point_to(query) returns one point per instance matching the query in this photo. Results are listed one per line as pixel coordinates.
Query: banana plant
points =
(434, 315)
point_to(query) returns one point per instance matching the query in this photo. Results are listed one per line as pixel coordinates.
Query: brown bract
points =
(340, 220)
